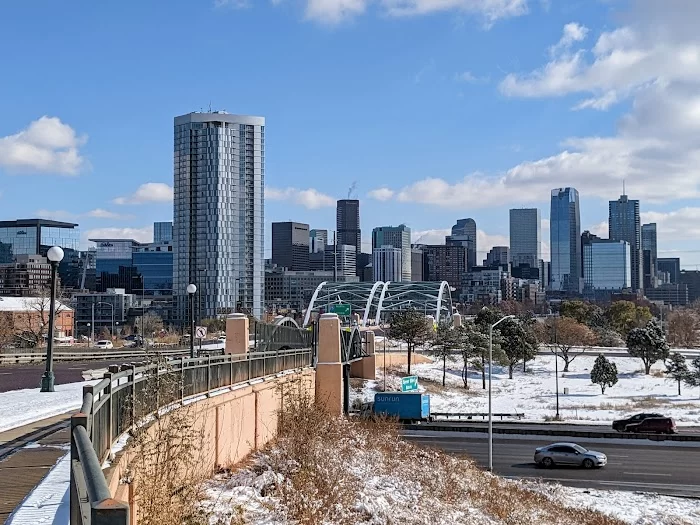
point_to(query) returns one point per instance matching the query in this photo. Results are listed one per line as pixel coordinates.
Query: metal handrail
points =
(101, 418)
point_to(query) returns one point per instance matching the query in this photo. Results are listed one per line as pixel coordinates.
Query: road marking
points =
(646, 474)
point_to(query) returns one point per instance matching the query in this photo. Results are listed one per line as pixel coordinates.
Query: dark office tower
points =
(565, 242)
(464, 234)
(347, 223)
(290, 246)
(669, 269)
(624, 225)
(649, 254)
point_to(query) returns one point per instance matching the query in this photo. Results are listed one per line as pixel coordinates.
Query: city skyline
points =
(583, 131)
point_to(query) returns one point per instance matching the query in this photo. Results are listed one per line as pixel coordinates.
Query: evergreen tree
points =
(648, 343)
(518, 343)
(677, 369)
(604, 373)
(444, 344)
(411, 327)
(693, 376)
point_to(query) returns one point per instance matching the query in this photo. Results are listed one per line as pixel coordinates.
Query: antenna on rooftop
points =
(210, 106)
(623, 187)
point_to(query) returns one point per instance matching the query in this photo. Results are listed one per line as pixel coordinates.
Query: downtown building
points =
(525, 237)
(606, 267)
(218, 228)
(565, 242)
(398, 237)
(464, 234)
(347, 225)
(387, 264)
(290, 246)
(624, 224)
(649, 256)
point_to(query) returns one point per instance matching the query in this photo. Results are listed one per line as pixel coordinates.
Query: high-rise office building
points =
(444, 263)
(606, 265)
(398, 237)
(290, 246)
(114, 265)
(670, 268)
(649, 255)
(624, 225)
(387, 263)
(318, 239)
(341, 258)
(565, 241)
(525, 237)
(219, 228)
(497, 256)
(417, 264)
(162, 232)
(464, 234)
(347, 223)
(154, 265)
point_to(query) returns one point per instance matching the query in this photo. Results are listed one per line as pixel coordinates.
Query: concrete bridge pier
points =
(366, 368)
(237, 334)
(329, 368)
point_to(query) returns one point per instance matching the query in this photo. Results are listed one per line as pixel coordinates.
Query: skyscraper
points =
(347, 223)
(318, 239)
(387, 263)
(218, 231)
(565, 241)
(525, 237)
(464, 234)
(649, 255)
(162, 232)
(624, 225)
(290, 245)
(398, 237)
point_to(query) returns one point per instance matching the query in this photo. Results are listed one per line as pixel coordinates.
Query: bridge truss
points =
(376, 301)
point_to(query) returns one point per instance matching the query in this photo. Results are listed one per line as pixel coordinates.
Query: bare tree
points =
(568, 338)
(7, 328)
(148, 324)
(33, 321)
(683, 328)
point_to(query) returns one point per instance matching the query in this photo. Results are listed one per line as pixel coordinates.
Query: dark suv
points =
(621, 424)
(654, 425)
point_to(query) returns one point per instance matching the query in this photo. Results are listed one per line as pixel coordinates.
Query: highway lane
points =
(662, 469)
(15, 377)
(543, 426)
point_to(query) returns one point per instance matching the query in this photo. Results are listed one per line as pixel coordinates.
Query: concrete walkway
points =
(22, 467)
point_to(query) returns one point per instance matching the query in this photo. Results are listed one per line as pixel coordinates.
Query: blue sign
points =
(409, 383)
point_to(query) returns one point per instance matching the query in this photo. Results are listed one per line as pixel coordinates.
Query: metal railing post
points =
(89, 389)
(131, 378)
(208, 373)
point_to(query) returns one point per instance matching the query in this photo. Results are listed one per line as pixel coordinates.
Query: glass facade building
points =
(114, 265)
(624, 224)
(154, 265)
(35, 237)
(606, 265)
(464, 234)
(162, 232)
(525, 237)
(218, 228)
(398, 237)
(565, 241)
(387, 263)
(650, 255)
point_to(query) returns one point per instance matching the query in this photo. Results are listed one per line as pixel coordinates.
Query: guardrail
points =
(108, 411)
(471, 415)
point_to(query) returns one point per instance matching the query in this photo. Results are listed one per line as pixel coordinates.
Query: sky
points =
(426, 110)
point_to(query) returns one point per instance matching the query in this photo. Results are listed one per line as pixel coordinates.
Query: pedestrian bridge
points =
(374, 302)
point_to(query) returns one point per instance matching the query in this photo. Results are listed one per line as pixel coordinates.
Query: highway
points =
(653, 468)
(16, 377)
(478, 422)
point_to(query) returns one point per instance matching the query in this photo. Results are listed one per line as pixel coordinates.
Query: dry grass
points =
(322, 465)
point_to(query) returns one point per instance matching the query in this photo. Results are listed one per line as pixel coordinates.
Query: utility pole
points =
(335, 257)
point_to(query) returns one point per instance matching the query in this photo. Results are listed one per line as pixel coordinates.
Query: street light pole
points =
(92, 325)
(54, 255)
(191, 289)
(556, 365)
(491, 327)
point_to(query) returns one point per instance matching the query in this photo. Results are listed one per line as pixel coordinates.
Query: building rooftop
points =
(24, 304)
(37, 222)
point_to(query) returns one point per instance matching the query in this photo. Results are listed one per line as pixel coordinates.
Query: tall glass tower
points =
(525, 237)
(218, 228)
(565, 241)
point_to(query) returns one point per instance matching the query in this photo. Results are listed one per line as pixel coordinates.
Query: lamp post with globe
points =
(191, 289)
(55, 256)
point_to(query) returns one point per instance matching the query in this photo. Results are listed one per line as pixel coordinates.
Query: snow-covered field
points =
(21, 407)
(533, 392)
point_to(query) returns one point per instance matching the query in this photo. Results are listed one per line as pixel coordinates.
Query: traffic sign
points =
(200, 332)
(409, 383)
(341, 309)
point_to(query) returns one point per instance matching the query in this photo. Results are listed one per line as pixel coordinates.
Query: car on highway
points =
(569, 454)
(621, 424)
(104, 345)
(653, 425)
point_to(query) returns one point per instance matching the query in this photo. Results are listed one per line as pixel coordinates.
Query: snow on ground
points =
(49, 502)
(21, 407)
(533, 393)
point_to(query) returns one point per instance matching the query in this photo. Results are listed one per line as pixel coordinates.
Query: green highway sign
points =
(341, 309)
(409, 383)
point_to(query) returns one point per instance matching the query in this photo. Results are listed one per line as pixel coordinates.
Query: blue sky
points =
(436, 109)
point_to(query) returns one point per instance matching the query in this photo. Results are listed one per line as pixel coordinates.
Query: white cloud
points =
(47, 145)
(99, 213)
(484, 241)
(678, 225)
(654, 58)
(572, 33)
(469, 78)
(310, 198)
(381, 194)
(149, 192)
(600, 229)
(144, 234)
(436, 236)
(335, 11)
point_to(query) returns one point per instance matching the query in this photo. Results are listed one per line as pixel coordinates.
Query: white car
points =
(104, 345)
